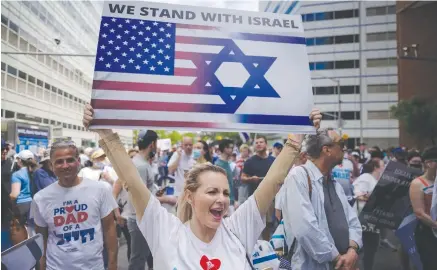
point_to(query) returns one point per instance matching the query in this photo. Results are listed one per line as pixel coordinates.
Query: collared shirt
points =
(305, 219)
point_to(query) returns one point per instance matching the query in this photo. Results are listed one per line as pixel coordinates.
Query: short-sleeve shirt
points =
(186, 163)
(257, 166)
(342, 174)
(147, 176)
(22, 176)
(174, 245)
(227, 167)
(73, 218)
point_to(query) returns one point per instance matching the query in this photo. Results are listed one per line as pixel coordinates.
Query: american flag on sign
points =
(172, 75)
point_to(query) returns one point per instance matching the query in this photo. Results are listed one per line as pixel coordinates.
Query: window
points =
(23, 45)
(12, 70)
(382, 88)
(350, 115)
(53, 122)
(47, 86)
(69, 126)
(22, 75)
(381, 36)
(45, 121)
(13, 26)
(3, 66)
(349, 89)
(60, 92)
(346, 39)
(331, 15)
(343, 64)
(13, 39)
(4, 20)
(64, 125)
(379, 115)
(9, 114)
(378, 11)
(29, 117)
(324, 90)
(382, 62)
(40, 83)
(343, 14)
(4, 33)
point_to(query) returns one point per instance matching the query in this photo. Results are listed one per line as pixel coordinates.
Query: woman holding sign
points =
(421, 190)
(200, 235)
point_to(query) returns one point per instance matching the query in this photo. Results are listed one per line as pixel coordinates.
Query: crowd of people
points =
(207, 204)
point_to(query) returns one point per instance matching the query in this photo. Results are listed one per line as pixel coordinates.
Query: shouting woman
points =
(200, 235)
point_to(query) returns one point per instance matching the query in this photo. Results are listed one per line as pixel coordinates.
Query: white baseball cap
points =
(25, 155)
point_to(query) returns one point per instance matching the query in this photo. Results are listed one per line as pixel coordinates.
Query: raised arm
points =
(122, 164)
(267, 189)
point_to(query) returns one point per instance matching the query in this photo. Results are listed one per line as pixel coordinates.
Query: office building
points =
(47, 92)
(351, 45)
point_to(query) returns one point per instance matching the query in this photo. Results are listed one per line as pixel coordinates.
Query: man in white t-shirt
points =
(75, 216)
(181, 162)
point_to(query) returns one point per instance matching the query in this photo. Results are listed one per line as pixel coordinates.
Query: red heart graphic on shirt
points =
(69, 208)
(208, 264)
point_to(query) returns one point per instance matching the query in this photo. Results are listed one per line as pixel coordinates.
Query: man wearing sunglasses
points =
(316, 210)
(75, 216)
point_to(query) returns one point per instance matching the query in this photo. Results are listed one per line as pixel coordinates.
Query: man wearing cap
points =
(277, 148)
(44, 176)
(147, 144)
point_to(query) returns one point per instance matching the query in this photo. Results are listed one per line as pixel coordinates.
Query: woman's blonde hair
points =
(185, 211)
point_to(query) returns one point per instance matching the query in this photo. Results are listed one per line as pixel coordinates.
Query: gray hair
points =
(314, 143)
(62, 145)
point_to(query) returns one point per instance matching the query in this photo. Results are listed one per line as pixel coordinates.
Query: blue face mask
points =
(196, 153)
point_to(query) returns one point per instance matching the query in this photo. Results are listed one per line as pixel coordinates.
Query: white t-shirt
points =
(175, 247)
(73, 217)
(90, 173)
(364, 184)
(186, 163)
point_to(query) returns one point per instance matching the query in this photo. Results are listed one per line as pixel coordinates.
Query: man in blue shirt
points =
(44, 176)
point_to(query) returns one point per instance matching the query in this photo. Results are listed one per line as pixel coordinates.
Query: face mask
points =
(99, 165)
(417, 166)
(196, 153)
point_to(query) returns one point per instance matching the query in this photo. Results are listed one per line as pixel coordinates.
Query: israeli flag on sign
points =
(182, 67)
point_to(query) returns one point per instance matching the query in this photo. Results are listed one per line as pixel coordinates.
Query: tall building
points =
(43, 95)
(351, 46)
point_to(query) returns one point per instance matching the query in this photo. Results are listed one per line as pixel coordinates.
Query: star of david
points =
(255, 86)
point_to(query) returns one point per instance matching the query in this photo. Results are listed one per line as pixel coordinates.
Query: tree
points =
(419, 117)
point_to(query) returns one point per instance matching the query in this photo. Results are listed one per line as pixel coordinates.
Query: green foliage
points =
(419, 118)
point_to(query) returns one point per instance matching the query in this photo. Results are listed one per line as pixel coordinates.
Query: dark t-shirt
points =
(257, 166)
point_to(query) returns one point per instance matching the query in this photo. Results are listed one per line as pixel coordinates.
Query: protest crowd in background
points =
(25, 175)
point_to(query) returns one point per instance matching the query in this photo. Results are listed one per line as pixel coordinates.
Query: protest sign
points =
(389, 201)
(181, 67)
(405, 233)
(164, 144)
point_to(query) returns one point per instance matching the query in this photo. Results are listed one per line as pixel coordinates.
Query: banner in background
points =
(389, 201)
(194, 68)
(164, 144)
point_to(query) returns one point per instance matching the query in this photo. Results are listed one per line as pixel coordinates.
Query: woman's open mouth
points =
(217, 213)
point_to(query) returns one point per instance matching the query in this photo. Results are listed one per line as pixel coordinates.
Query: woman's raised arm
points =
(122, 164)
(267, 189)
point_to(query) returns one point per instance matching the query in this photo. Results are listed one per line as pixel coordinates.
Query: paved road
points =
(385, 259)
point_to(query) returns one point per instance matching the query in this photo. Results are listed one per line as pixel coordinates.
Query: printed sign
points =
(164, 144)
(389, 201)
(181, 67)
